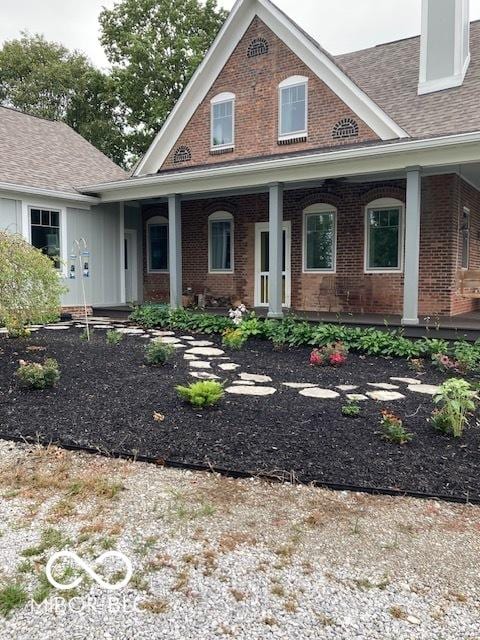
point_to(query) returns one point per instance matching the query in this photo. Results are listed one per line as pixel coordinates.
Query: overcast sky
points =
(339, 25)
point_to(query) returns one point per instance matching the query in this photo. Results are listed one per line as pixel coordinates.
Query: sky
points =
(339, 25)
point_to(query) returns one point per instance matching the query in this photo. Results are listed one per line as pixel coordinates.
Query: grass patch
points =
(12, 596)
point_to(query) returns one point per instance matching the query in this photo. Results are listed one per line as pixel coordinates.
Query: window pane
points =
(221, 245)
(35, 216)
(47, 239)
(46, 218)
(293, 109)
(320, 240)
(384, 238)
(55, 219)
(222, 123)
(158, 234)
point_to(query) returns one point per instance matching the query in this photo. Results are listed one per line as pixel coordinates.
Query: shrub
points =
(456, 399)
(234, 339)
(352, 410)
(157, 353)
(393, 429)
(85, 335)
(38, 376)
(151, 315)
(205, 393)
(30, 288)
(334, 355)
(114, 337)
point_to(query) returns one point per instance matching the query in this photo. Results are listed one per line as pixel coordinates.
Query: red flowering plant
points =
(334, 355)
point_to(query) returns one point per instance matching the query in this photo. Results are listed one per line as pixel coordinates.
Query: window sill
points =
(221, 150)
(293, 139)
(158, 271)
(327, 272)
(383, 271)
(220, 273)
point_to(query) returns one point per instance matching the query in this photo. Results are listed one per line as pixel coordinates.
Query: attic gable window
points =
(222, 121)
(257, 47)
(346, 128)
(293, 108)
(182, 154)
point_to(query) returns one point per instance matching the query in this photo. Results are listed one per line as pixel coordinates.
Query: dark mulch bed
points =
(107, 396)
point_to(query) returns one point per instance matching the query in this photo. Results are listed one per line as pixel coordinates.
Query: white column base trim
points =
(275, 315)
(412, 322)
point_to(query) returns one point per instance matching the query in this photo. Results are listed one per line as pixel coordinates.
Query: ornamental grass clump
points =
(457, 401)
(158, 354)
(393, 429)
(35, 375)
(205, 393)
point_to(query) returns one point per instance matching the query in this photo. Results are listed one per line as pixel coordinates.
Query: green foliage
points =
(433, 346)
(351, 409)
(157, 353)
(86, 335)
(30, 288)
(12, 596)
(393, 429)
(456, 399)
(151, 315)
(114, 337)
(34, 375)
(234, 339)
(205, 393)
(467, 356)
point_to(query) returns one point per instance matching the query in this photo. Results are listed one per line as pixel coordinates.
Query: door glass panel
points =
(265, 266)
(126, 253)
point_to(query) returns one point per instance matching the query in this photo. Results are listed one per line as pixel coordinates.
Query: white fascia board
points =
(224, 45)
(431, 152)
(19, 192)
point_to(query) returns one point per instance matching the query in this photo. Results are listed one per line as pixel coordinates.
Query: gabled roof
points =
(49, 155)
(307, 49)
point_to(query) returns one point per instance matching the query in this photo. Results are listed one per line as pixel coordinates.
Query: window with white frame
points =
(223, 121)
(384, 235)
(220, 242)
(320, 237)
(293, 107)
(465, 238)
(157, 244)
(45, 232)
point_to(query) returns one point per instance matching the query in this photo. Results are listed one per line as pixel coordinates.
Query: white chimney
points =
(444, 45)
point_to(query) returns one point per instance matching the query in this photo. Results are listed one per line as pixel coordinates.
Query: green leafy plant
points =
(157, 353)
(234, 339)
(457, 400)
(205, 393)
(85, 336)
(114, 337)
(393, 429)
(351, 409)
(34, 375)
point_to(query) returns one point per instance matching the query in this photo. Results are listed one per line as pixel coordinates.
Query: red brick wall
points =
(254, 81)
(350, 289)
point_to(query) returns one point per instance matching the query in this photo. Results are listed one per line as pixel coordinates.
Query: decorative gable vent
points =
(182, 154)
(257, 47)
(346, 128)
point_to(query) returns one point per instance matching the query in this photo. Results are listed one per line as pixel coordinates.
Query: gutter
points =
(48, 193)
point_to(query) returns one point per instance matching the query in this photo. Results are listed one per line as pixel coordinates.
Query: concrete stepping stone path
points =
(406, 380)
(246, 390)
(203, 375)
(228, 366)
(299, 385)
(356, 397)
(322, 394)
(168, 340)
(383, 385)
(385, 396)
(347, 387)
(189, 356)
(206, 351)
(200, 364)
(244, 382)
(201, 343)
(253, 377)
(426, 389)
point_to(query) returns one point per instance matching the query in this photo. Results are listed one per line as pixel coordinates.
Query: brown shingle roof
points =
(389, 74)
(49, 155)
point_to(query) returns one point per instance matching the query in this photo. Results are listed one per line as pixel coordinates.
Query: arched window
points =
(293, 107)
(157, 245)
(220, 242)
(384, 235)
(223, 121)
(319, 238)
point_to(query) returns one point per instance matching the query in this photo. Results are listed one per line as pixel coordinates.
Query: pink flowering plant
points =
(334, 355)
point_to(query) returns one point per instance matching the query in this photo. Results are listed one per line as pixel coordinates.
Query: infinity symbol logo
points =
(88, 570)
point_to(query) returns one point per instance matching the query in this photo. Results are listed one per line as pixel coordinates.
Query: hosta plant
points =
(35, 375)
(205, 393)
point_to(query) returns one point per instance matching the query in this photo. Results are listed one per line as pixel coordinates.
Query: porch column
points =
(276, 251)
(175, 250)
(123, 293)
(412, 246)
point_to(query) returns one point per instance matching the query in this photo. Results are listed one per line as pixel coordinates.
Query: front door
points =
(262, 257)
(131, 292)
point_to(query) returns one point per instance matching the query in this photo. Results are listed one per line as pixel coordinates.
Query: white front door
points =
(131, 284)
(262, 256)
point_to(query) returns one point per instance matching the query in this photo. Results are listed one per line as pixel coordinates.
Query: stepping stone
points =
(200, 364)
(347, 387)
(179, 345)
(168, 340)
(406, 380)
(228, 366)
(155, 332)
(299, 385)
(253, 377)
(203, 375)
(201, 343)
(385, 396)
(54, 327)
(186, 338)
(323, 394)
(206, 351)
(102, 326)
(132, 332)
(426, 389)
(356, 397)
(244, 382)
(383, 385)
(189, 356)
(245, 390)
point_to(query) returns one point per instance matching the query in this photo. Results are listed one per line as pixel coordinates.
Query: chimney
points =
(444, 45)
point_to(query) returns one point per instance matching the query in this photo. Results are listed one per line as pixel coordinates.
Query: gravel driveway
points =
(221, 558)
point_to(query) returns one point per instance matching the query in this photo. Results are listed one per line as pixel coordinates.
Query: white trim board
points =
(237, 23)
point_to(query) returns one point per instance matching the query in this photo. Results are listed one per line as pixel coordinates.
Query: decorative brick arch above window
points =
(182, 154)
(346, 128)
(257, 47)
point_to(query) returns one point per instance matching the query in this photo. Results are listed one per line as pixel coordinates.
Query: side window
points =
(45, 232)
(293, 107)
(223, 121)
(220, 242)
(465, 238)
(320, 238)
(384, 235)
(157, 244)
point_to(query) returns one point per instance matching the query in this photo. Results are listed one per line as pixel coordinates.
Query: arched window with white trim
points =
(319, 238)
(157, 245)
(384, 235)
(220, 242)
(293, 107)
(223, 121)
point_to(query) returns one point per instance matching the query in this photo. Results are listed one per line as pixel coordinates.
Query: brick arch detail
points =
(220, 205)
(382, 192)
(325, 197)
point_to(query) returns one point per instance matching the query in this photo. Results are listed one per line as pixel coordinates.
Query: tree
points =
(30, 288)
(154, 46)
(47, 80)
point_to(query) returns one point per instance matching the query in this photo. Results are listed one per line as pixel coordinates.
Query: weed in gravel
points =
(182, 580)
(324, 620)
(12, 596)
(50, 539)
(291, 605)
(398, 613)
(238, 595)
(156, 606)
(278, 590)
(270, 621)
(107, 543)
(25, 566)
(144, 547)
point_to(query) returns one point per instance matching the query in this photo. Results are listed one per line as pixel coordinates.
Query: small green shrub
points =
(441, 421)
(393, 429)
(157, 353)
(234, 339)
(114, 337)
(205, 393)
(38, 376)
(351, 410)
(456, 399)
(85, 335)
(12, 596)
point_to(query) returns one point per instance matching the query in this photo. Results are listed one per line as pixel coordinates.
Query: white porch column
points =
(123, 293)
(175, 250)
(276, 251)
(412, 246)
